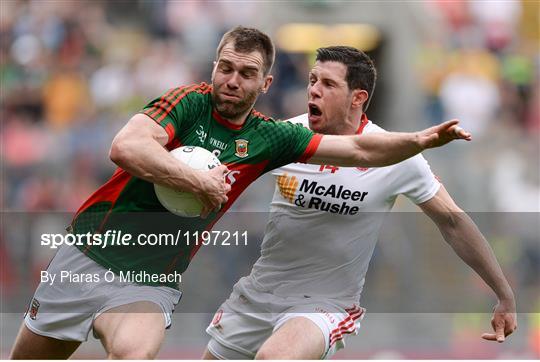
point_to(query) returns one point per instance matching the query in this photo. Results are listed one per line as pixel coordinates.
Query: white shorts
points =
(66, 309)
(249, 317)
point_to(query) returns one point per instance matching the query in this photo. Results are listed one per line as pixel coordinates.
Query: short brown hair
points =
(247, 40)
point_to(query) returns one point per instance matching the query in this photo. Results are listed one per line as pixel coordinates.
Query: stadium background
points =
(73, 72)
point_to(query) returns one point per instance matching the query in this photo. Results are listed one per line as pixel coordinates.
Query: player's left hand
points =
(442, 134)
(503, 322)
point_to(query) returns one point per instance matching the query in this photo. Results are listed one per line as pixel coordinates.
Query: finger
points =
(223, 169)
(222, 201)
(510, 327)
(489, 336)
(461, 133)
(446, 125)
(451, 123)
(208, 206)
(499, 332)
(227, 188)
(204, 212)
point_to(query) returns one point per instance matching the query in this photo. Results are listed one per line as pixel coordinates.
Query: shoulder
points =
(261, 117)
(200, 88)
(373, 128)
(272, 123)
(190, 92)
(199, 91)
(301, 119)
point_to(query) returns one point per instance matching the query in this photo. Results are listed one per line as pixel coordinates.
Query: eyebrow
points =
(245, 67)
(323, 78)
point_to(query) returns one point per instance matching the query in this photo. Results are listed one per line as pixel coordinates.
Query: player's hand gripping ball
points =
(185, 203)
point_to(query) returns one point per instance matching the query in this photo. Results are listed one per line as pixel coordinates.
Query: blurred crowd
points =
(481, 63)
(73, 72)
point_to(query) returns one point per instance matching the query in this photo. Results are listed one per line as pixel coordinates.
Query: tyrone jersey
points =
(129, 204)
(325, 220)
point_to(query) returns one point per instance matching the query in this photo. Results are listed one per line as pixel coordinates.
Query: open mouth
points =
(314, 110)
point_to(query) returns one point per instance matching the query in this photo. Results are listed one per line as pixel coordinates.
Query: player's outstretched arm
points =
(383, 149)
(139, 149)
(470, 245)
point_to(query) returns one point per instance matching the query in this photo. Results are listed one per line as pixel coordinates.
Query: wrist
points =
(195, 182)
(507, 298)
(186, 179)
(418, 141)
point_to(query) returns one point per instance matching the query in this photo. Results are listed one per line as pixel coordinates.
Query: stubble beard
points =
(232, 110)
(333, 124)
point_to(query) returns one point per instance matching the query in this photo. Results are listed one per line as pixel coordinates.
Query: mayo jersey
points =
(325, 221)
(127, 205)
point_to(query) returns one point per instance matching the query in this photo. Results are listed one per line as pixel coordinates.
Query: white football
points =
(185, 203)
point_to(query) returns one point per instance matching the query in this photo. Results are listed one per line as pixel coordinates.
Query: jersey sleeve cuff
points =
(311, 148)
(169, 128)
(435, 187)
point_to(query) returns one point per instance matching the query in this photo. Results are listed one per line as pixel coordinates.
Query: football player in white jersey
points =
(301, 298)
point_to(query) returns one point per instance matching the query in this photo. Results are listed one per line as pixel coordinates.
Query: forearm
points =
(383, 149)
(470, 245)
(150, 161)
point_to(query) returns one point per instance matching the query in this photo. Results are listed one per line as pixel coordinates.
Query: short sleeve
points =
(415, 180)
(176, 108)
(288, 143)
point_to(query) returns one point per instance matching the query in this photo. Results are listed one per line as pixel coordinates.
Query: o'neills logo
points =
(241, 148)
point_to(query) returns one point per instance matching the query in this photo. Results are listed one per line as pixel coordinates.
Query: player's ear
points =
(359, 97)
(267, 82)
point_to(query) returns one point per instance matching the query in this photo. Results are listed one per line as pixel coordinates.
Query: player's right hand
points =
(503, 321)
(442, 134)
(214, 189)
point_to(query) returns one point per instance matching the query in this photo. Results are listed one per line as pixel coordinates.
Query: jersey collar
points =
(226, 123)
(363, 122)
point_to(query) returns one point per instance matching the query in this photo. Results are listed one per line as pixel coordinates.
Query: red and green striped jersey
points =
(129, 204)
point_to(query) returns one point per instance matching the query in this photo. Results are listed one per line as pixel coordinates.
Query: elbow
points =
(119, 151)
(362, 161)
(450, 223)
(363, 158)
(366, 157)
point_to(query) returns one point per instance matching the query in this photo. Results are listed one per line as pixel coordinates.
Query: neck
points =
(238, 121)
(354, 121)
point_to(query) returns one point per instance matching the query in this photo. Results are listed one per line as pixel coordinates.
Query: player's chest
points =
(338, 190)
(230, 146)
(244, 152)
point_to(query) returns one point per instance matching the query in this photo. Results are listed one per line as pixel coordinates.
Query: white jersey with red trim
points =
(325, 222)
